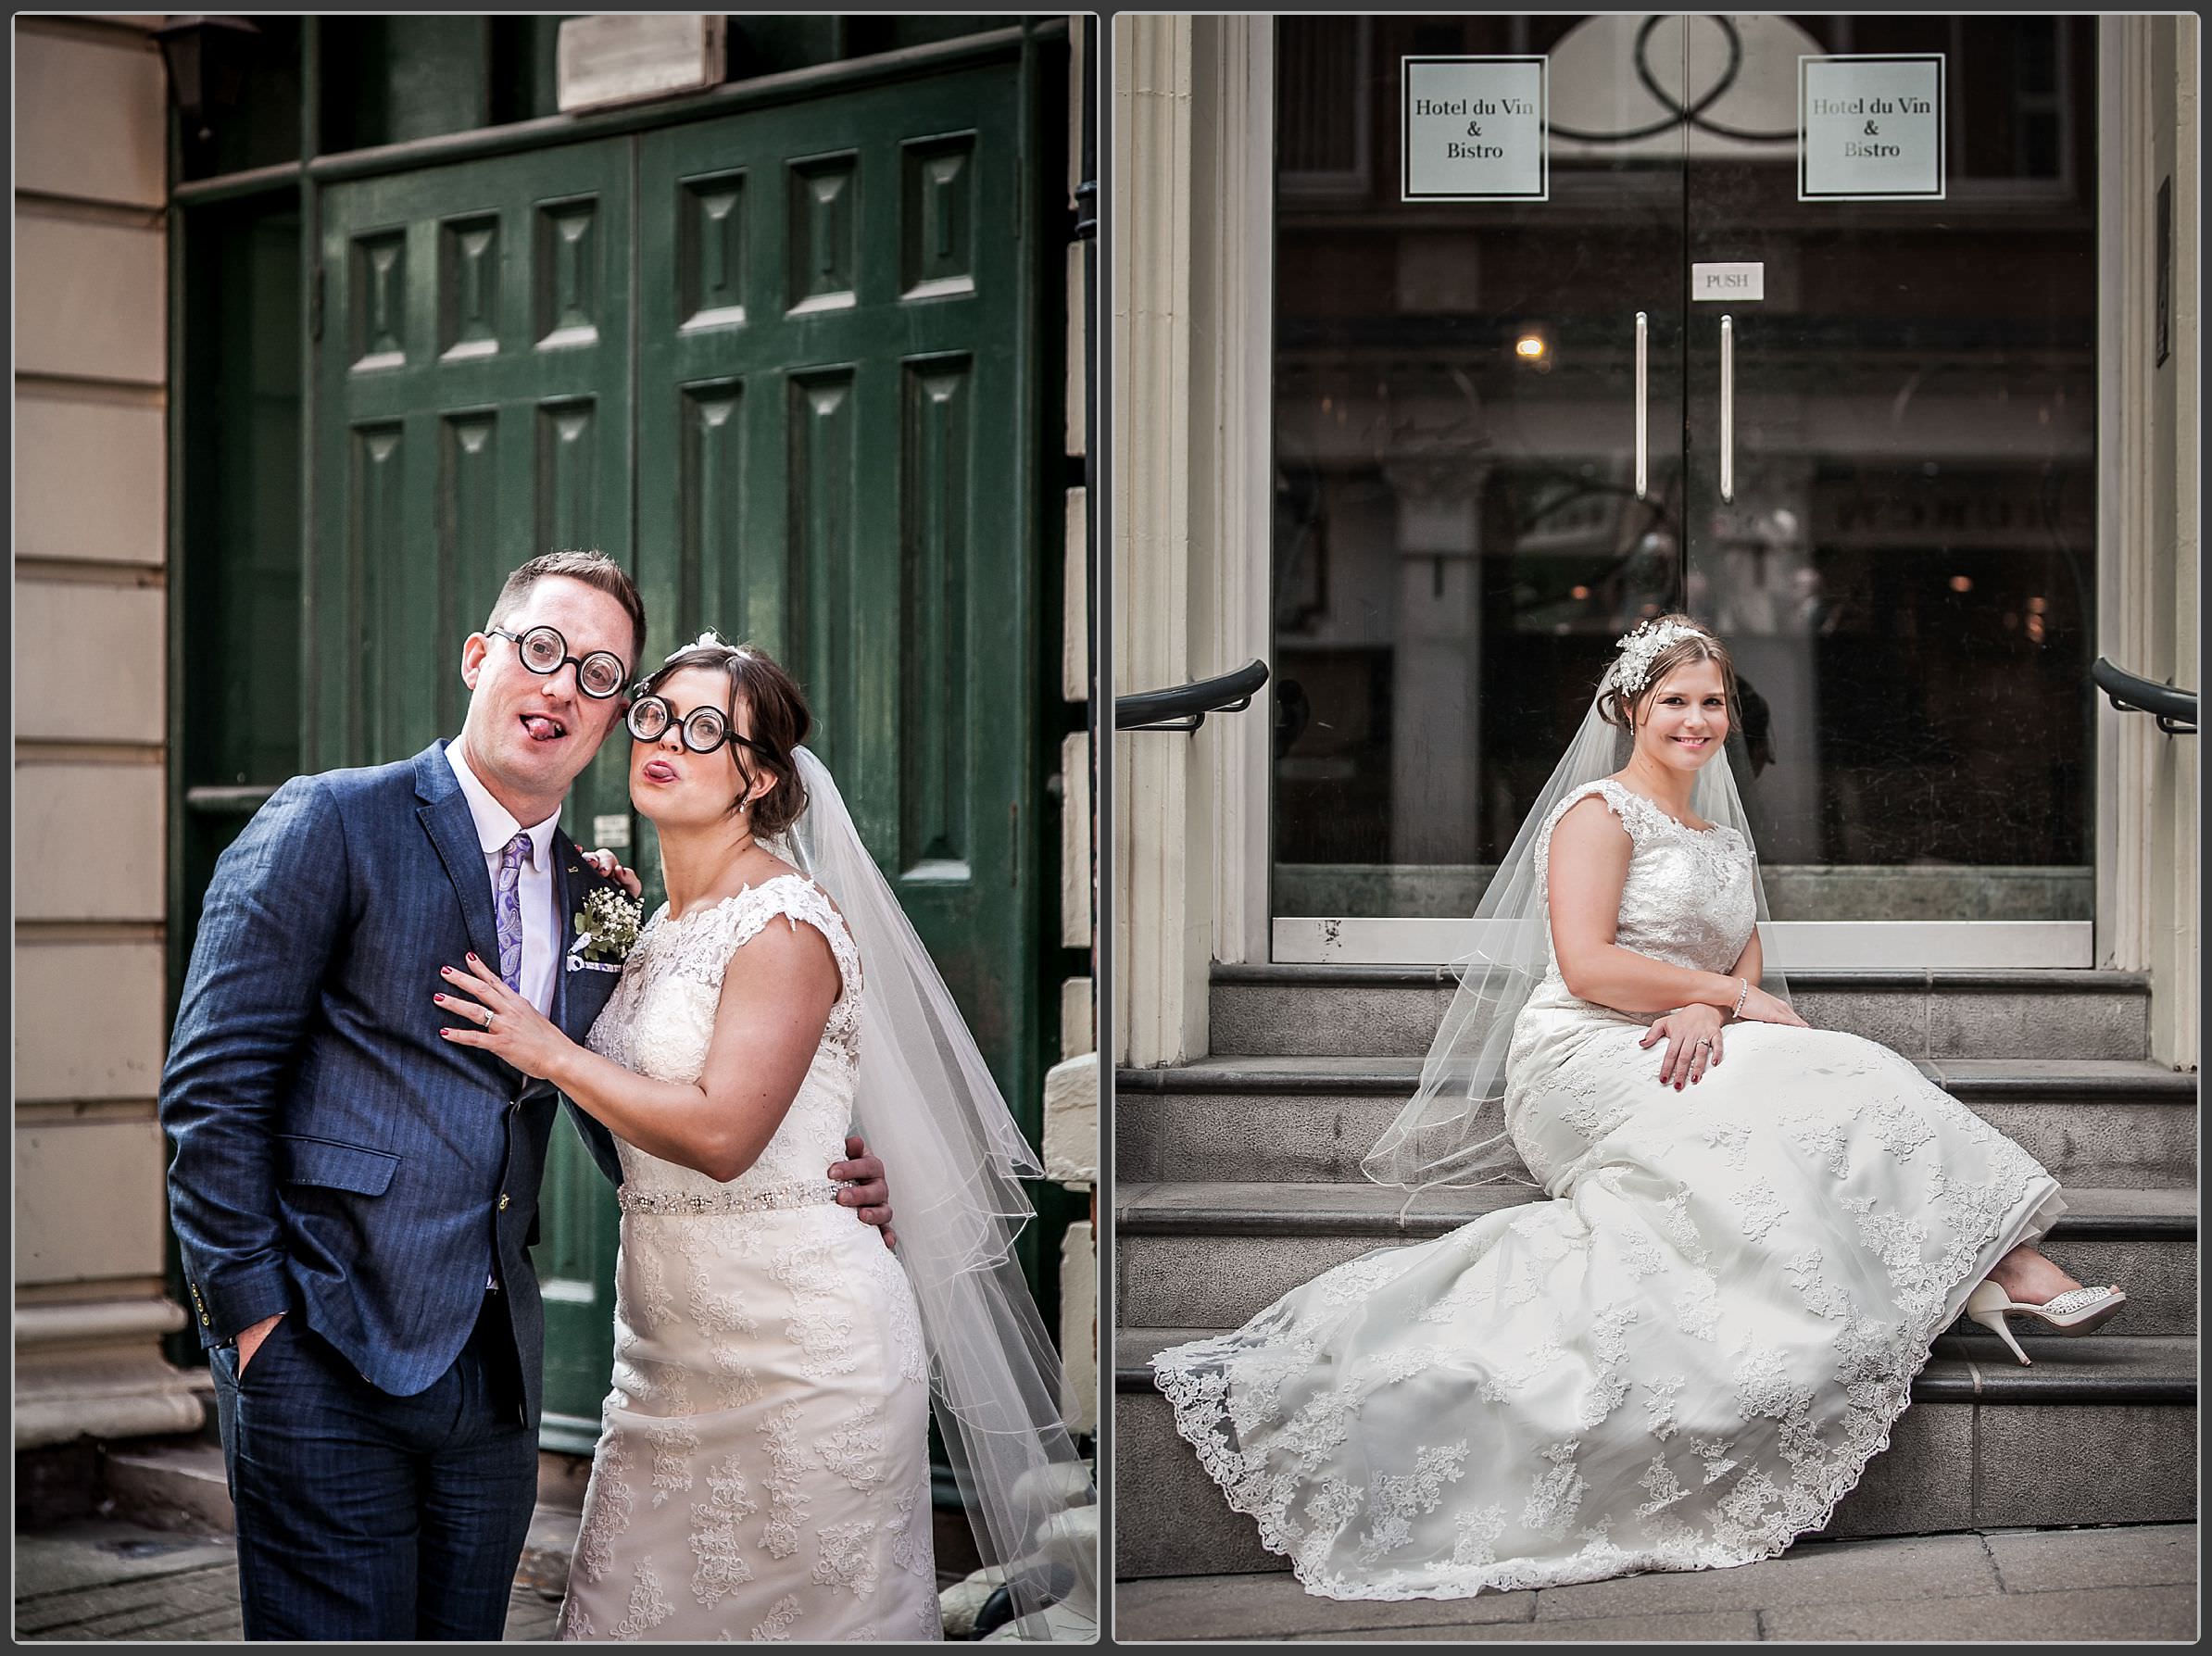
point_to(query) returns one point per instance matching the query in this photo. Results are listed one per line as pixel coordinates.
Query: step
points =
(1393, 1011)
(1979, 1449)
(1211, 1255)
(2114, 1122)
(179, 1485)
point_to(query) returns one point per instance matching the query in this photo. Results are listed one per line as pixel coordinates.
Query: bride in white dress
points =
(1687, 1356)
(763, 1470)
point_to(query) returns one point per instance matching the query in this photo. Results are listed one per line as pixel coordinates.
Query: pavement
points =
(2133, 1582)
(106, 1579)
(103, 1579)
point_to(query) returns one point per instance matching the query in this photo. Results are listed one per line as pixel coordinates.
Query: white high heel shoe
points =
(2077, 1311)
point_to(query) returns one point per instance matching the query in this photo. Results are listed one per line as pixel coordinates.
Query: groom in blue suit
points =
(355, 1196)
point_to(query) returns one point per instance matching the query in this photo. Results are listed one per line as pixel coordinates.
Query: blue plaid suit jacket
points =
(337, 1158)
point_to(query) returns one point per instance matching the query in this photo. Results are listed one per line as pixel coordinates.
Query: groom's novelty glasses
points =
(544, 650)
(704, 730)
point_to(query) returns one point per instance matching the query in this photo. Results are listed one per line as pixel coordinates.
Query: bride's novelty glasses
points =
(704, 729)
(544, 651)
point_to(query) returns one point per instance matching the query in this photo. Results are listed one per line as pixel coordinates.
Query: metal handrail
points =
(2174, 709)
(1185, 707)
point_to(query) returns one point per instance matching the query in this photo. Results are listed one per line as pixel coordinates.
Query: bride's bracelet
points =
(1743, 995)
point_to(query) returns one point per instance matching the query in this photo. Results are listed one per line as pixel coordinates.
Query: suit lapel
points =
(453, 831)
(567, 867)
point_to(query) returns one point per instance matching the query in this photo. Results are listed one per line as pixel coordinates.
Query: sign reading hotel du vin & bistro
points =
(1870, 128)
(1475, 128)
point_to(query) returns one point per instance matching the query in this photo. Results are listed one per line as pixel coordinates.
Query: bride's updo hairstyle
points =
(780, 724)
(1685, 642)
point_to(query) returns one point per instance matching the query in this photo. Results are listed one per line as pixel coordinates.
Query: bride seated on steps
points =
(1687, 1357)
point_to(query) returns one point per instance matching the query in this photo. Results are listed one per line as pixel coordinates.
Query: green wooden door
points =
(811, 405)
(832, 302)
(474, 410)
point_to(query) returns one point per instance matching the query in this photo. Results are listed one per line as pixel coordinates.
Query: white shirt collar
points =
(495, 823)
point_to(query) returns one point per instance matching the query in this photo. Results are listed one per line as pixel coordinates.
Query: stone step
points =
(2100, 1430)
(2113, 1122)
(1212, 1254)
(1393, 1011)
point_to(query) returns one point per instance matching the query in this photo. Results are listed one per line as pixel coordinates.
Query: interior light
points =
(1962, 583)
(1529, 346)
(2035, 605)
(1579, 593)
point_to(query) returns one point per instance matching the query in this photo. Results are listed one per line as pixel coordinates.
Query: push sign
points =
(1870, 128)
(1475, 128)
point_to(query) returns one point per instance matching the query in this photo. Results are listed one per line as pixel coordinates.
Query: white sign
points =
(623, 58)
(1728, 282)
(612, 832)
(1475, 128)
(1870, 128)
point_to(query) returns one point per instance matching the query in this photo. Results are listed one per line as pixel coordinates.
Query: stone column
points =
(1188, 463)
(2147, 438)
(90, 400)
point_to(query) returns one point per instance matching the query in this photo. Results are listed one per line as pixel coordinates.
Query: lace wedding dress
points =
(1684, 1358)
(762, 1469)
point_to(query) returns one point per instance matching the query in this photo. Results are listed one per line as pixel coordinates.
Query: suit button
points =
(503, 1201)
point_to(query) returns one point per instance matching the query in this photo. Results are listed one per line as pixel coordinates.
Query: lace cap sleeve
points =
(795, 900)
(1637, 816)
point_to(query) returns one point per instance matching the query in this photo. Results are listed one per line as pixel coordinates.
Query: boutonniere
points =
(605, 930)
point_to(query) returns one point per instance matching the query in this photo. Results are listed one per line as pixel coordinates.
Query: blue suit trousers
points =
(362, 1515)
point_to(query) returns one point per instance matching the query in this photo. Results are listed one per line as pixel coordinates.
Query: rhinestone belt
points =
(804, 1193)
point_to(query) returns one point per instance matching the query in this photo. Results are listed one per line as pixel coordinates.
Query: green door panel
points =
(831, 300)
(475, 411)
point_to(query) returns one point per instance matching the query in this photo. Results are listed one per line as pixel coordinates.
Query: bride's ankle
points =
(2030, 1278)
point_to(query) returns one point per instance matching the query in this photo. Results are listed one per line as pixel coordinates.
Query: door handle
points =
(1643, 385)
(1727, 410)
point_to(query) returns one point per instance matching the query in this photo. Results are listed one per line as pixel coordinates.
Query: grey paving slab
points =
(88, 1554)
(2065, 1617)
(105, 1581)
(1723, 1628)
(1810, 1573)
(2128, 1555)
(1275, 1606)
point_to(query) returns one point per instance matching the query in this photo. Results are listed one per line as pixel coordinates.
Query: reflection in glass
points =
(1906, 570)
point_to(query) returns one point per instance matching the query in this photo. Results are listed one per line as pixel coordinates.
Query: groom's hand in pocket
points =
(250, 1338)
(863, 1176)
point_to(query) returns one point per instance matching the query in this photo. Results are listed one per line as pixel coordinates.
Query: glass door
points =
(1498, 442)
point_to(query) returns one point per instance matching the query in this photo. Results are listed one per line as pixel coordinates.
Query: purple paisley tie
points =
(507, 905)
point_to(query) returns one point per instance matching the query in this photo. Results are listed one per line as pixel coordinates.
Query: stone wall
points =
(91, 728)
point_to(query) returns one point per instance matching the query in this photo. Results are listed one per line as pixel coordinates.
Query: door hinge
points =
(315, 302)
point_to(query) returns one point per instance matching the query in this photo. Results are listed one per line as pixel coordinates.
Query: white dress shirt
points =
(541, 927)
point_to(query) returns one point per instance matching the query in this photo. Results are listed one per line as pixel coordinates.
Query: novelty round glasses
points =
(545, 651)
(703, 729)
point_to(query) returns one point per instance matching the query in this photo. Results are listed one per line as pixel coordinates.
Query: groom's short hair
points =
(594, 568)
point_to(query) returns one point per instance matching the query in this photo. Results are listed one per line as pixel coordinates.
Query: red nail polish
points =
(471, 959)
(439, 998)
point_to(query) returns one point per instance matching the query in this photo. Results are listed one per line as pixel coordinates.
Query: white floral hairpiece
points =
(709, 638)
(1640, 646)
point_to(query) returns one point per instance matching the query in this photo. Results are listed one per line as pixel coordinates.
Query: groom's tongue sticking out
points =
(529, 734)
